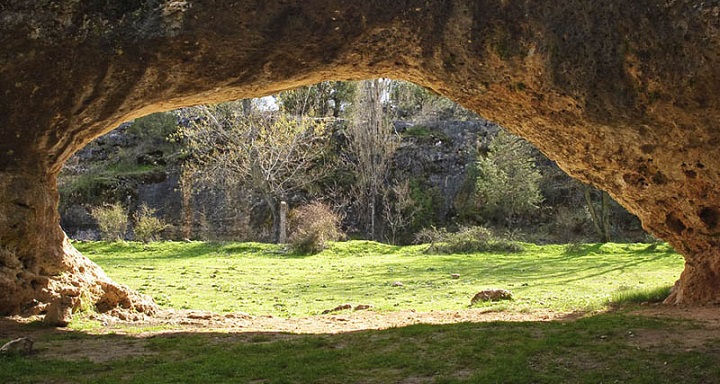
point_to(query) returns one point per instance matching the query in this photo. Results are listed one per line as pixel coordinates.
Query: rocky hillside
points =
(134, 167)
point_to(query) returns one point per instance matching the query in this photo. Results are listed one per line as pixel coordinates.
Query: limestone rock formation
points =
(622, 94)
(59, 312)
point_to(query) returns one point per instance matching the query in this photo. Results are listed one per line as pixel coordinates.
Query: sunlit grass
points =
(263, 279)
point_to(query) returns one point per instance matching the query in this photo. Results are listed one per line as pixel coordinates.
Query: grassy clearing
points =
(261, 279)
(256, 278)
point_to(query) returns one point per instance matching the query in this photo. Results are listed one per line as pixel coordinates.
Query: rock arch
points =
(622, 94)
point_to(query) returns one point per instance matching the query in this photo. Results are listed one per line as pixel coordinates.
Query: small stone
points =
(455, 276)
(59, 313)
(397, 284)
(22, 346)
(362, 307)
(491, 295)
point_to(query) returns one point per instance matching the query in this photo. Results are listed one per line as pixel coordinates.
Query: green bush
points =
(428, 200)
(112, 221)
(147, 225)
(312, 226)
(157, 126)
(465, 240)
(507, 184)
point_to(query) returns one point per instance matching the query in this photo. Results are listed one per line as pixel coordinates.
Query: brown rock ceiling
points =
(622, 94)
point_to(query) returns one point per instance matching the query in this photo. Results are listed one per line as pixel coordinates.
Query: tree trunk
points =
(601, 220)
(247, 107)
(187, 206)
(38, 265)
(605, 214)
(275, 212)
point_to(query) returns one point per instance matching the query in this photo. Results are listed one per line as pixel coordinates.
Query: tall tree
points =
(600, 215)
(508, 180)
(371, 145)
(272, 154)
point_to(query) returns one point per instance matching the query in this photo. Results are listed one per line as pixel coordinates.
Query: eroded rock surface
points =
(622, 94)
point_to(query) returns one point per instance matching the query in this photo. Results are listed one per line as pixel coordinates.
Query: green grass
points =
(611, 347)
(261, 279)
(595, 349)
(640, 295)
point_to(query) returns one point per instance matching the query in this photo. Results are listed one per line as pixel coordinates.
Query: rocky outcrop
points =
(622, 94)
(439, 157)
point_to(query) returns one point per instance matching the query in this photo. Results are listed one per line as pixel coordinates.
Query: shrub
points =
(112, 221)
(466, 240)
(147, 226)
(312, 226)
(507, 186)
(156, 126)
(430, 235)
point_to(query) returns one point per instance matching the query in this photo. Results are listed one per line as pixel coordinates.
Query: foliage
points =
(157, 126)
(465, 201)
(466, 240)
(332, 169)
(112, 221)
(399, 209)
(371, 146)
(430, 235)
(426, 200)
(312, 226)
(418, 131)
(416, 102)
(329, 98)
(507, 181)
(273, 155)
(147, 226)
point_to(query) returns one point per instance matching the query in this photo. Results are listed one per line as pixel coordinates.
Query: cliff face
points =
(621, 94)
(439, 159)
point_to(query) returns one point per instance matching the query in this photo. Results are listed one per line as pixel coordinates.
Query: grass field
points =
(261, 279)
(616, 346)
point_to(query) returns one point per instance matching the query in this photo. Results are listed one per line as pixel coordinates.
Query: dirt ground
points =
(136, 329)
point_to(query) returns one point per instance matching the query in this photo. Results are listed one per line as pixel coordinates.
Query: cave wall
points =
(622, 94)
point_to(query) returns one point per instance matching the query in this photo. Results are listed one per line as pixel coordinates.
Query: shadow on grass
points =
(124, 251)
(579, 250)
(602, 348)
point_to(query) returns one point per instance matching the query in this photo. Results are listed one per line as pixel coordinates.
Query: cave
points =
(622, 95)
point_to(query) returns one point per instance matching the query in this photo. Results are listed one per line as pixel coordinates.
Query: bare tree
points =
(371, 145)
(399, 208)
(269, 153)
